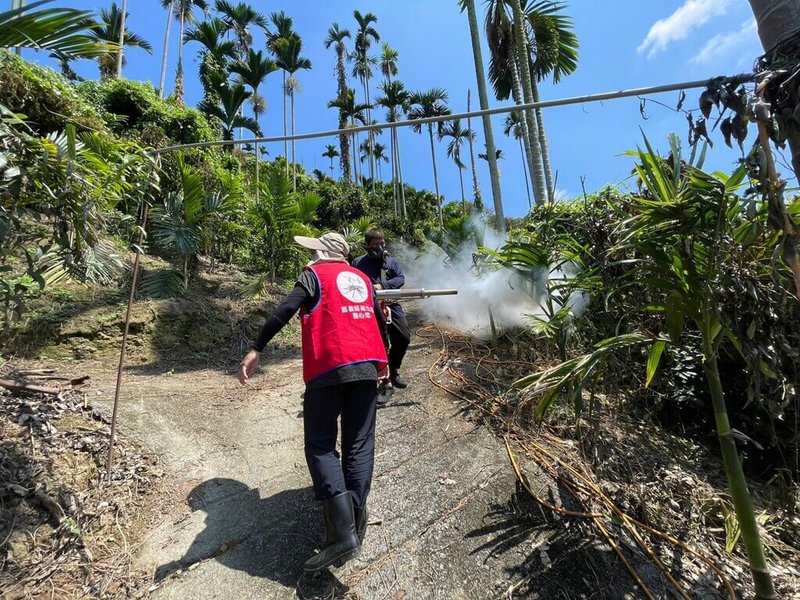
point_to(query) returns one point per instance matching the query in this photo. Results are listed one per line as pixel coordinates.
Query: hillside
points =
(210, 490)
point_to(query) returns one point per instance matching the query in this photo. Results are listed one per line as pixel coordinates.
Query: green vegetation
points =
(683, 288)
(683, 276)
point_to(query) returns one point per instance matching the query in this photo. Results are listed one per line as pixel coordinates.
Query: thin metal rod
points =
(123, 345)
(737, 79)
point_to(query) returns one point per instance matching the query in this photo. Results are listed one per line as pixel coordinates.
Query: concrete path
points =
(446, 521)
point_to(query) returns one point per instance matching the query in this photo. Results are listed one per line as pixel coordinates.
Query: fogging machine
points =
(412, 293)
(385, 389)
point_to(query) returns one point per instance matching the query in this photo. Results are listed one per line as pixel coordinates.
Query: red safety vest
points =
(341, 329)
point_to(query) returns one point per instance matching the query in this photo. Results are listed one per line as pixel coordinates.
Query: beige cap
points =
(333, 243)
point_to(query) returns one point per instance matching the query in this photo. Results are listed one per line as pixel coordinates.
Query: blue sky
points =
(624, 45)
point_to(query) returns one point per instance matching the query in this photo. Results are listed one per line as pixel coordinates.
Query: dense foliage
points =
(678, 296)
(76, 160)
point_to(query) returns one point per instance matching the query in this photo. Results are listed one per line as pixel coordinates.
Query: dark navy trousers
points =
(399, 339)
(332, 475)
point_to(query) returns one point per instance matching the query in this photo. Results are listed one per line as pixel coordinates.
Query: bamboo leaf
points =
(732, 529)
(767, 370)
(652, 361)
(674, 315)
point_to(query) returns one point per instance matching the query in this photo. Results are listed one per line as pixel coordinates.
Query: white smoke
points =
(493, 293)
(503, 296)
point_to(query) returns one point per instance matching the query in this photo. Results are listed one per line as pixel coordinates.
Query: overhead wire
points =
(599, 97)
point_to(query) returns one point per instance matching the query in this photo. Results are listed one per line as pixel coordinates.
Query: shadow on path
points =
(558, 557)
(268, 538)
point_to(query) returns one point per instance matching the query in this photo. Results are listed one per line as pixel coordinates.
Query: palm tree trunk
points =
(121, 37)
(463, 196)
(393, 154)
(525, 171)
(491, 153)
(357, 166)
(737, 483)
(777, 20)
(285, 126)
(476, 188)
(344, 155)
(403, 210)
(163, 81)
(543, 146)
(258, 156)
(294, 163)
(344, 139)
(365, 83)
(528, 140)
(179, 72)
(15, 4)
(436, 176)
(520, 38)
(354, 144)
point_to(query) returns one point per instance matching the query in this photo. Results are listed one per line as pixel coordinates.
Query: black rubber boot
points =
(341, 539)
(361, 516)
(396, 381)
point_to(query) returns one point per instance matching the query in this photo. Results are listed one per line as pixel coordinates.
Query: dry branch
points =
(28, 387)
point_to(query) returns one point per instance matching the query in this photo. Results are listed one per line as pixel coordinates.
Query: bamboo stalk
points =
(742, 503)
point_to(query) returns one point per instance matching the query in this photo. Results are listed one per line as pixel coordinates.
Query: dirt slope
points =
(236, 517)
(447, 518)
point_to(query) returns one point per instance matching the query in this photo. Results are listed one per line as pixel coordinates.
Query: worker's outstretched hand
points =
(248, 366)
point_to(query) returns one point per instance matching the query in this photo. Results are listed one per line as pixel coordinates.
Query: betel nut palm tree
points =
(423, 105)
(483, 99)
(336, 37)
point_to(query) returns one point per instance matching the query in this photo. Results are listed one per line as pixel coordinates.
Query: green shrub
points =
(342, 203)
(135, 105)
(47, 99)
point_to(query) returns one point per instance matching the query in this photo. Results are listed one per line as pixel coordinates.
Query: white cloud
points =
(723, 43)
(690, 16)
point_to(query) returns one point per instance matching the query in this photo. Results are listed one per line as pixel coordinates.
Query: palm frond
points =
(63, 30)
(165, 283)
(96, 264)
(570, 377)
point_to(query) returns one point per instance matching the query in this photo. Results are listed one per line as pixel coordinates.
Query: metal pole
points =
(743, 78)
(131, 298)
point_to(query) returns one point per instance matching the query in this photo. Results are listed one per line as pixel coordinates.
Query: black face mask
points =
(378, 253)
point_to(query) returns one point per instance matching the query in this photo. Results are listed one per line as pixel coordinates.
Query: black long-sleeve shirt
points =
(306, 294)
(388, 273)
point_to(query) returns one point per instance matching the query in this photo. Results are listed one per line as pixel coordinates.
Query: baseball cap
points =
(330, 242)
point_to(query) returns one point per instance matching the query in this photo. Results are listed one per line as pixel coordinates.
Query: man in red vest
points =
(344, 354)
